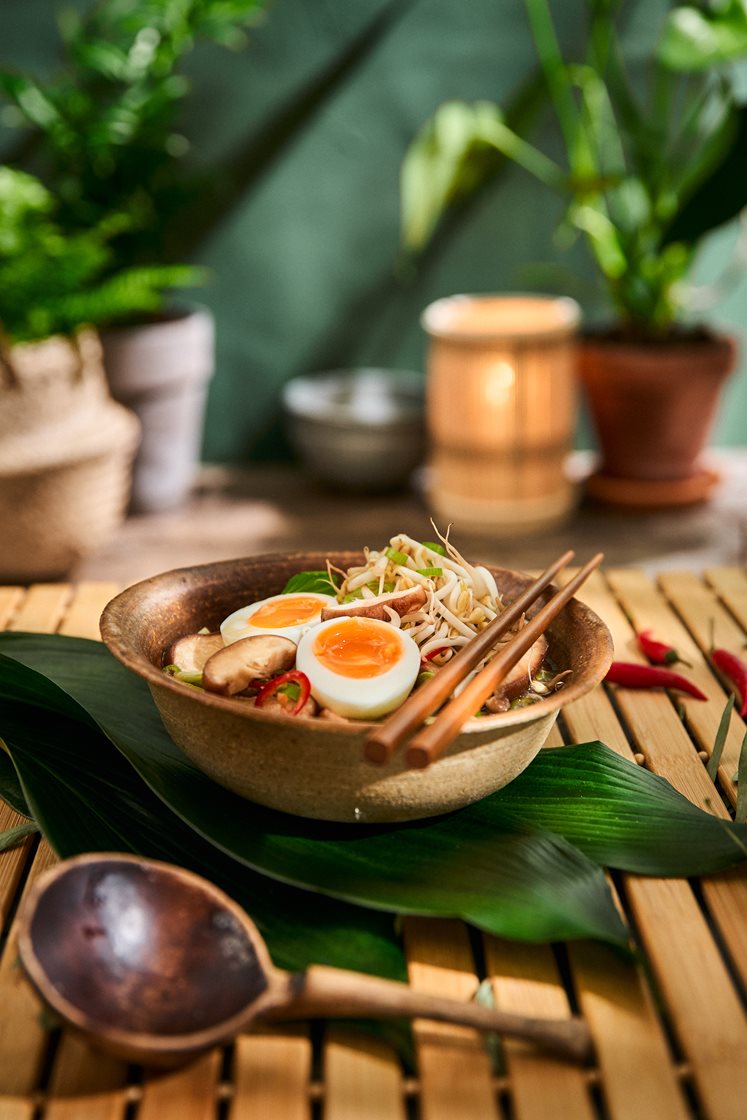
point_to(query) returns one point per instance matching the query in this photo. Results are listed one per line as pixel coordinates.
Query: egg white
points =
(359, 697)
(239, 624)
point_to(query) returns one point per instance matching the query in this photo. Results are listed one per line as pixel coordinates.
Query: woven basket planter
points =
(66, 452)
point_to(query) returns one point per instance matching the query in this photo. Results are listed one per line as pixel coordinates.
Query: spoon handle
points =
(321, 991)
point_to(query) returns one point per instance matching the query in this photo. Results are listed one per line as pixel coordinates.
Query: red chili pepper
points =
(435, 652)
(735, 670)
(658, 652)
(295, 676)
(631, 675)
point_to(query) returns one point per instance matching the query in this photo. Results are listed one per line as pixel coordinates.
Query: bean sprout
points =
(462, 598)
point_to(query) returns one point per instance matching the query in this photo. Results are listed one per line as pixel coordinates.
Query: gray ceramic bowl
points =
(312, 767)
(358, 429)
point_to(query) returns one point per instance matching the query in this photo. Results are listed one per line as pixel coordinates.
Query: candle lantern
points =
(501, 410)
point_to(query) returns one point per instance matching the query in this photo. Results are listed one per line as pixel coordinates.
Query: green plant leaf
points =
(86, 797)
(694, 40)
(720, 196)
(453, 154)
(511, 880)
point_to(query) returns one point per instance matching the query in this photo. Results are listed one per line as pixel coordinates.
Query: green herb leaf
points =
(318, 582)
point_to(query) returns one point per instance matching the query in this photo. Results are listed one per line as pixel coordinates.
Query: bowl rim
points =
(119, 640)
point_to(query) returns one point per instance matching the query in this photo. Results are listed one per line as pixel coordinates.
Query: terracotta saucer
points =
(636, 493)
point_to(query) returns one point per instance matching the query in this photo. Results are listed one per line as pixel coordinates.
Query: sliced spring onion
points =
(434, 546)
(396, 557)
(430, 573)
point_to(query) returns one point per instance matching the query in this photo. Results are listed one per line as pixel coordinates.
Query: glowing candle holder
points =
(501, 410)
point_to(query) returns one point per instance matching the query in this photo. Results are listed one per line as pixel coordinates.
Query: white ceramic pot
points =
(161, 370)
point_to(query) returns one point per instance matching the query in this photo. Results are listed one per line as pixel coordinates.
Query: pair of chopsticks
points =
(431, 741)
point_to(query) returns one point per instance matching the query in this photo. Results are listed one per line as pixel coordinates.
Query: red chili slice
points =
(294, 676)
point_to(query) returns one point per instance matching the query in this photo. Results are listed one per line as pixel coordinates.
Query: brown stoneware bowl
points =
(315, 768)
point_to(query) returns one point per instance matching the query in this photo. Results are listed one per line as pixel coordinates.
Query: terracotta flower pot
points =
(653, 405)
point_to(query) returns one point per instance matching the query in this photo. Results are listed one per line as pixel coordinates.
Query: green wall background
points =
(306, 267)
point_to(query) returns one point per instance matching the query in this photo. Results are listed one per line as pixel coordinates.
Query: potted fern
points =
(66, 448)
(646, 158)
(103, 136)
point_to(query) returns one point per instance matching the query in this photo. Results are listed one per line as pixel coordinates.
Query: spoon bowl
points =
(154, 964)
(142, 956)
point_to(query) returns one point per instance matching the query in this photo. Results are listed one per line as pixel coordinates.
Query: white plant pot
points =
(161, 371)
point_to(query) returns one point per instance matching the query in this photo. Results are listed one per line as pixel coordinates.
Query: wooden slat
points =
(731, 586)
(638, 1077)
(725, 895)
(689, 968)
(23, 1035)
(13, 862)
(271, 1074)
(16, 1108)
(10, 600)
(362, 1078)
(454, 1067)
(525, 979)
(85, 1085)
(81, 619)
(42, 608)
(182, 1094)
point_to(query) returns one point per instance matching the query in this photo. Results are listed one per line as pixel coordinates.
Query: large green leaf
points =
(621, 815)
(617, 812)
(510, 879)
(85, 797)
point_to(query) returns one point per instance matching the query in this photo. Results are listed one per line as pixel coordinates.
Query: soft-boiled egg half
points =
(358, 667)
(286, 615)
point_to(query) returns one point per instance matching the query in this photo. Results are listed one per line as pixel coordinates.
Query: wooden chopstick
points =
(384, 739)
(429, 744)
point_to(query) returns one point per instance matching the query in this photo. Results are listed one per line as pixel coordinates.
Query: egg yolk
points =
(355, 648)
(288, 611)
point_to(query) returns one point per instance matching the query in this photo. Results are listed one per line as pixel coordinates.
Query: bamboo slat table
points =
(670, 1031)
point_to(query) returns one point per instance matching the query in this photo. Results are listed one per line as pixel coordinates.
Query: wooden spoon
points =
(155, 964)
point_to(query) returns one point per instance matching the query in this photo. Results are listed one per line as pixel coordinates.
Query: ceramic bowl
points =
(311, 767)
(359, 430)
